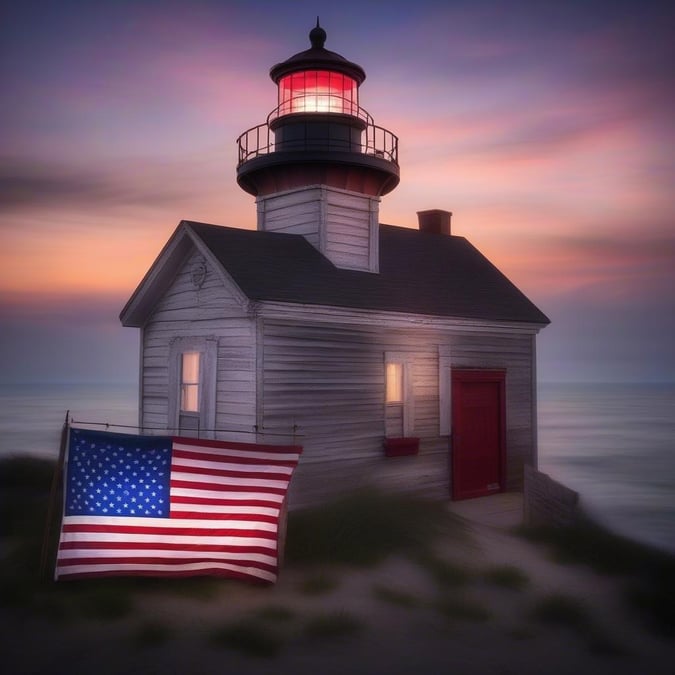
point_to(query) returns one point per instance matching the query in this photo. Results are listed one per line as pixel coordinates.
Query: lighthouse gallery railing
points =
(260, 140)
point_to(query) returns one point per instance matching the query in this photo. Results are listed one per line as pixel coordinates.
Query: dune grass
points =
(361, 529)
(565, 611)
(396, 596)
(446, 573)
(152, 634)
(562, 610)
(275, 613)
(318, 584)
(462, 608)
(506, 576)
(648, 574)
(332, 625)
(253, 637)
(364, 528)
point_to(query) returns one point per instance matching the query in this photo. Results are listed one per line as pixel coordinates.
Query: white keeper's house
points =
(397, 357)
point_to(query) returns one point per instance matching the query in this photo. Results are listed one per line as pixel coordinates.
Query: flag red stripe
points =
(215, 501)
(216, 487)
(242, 562)
(159, 546)
(213, 572)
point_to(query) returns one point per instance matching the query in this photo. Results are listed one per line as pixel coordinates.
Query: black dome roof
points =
(318, 58)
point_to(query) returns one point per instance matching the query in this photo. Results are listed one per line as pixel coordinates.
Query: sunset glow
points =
(547, 129)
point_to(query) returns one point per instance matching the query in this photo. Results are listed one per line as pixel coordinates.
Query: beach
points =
(490, 601)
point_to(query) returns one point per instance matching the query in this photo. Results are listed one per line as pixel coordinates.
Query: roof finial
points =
(317, 36)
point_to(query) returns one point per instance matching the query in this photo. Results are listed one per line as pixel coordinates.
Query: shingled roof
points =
(420, 273)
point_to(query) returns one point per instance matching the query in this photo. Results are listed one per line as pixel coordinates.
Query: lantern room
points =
(318, 91)
(318, 133)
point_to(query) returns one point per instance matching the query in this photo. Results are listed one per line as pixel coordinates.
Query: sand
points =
(413, 637)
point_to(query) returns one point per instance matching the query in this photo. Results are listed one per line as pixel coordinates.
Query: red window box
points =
(399, 447)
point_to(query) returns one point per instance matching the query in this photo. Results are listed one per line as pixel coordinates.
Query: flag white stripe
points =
(217, 494)
(122, 537)
(124, 522)
(189, 567)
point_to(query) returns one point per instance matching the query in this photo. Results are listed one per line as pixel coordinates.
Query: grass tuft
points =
(561, 610)
(605, 552)
(649, 572)
(520, 633)
(507, 576)
(395, 596)
(152, 634)
(250, 637)
(333, 625)
(445, 573)
(653, 598)
(318, 584)
(23, 472)
(107, 603)
(568, 612)
(274, 613)
(365, 527)
(463, 609)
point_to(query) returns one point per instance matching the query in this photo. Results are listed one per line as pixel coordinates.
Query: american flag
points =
(170, 506)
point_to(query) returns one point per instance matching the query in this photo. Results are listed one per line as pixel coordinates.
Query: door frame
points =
(458, 376)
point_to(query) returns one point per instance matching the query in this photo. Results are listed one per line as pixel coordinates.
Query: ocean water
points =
(613, 443)
(32, 415)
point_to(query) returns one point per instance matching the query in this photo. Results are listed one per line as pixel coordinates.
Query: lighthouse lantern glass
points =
(318, 91)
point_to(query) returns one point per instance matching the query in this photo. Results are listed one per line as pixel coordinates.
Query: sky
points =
(547, 128)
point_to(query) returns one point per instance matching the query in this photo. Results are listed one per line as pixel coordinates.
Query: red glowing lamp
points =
(319, 91)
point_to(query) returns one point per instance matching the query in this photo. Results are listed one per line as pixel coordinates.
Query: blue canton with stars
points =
(111, 474)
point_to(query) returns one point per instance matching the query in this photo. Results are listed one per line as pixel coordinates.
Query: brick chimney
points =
(435, 221)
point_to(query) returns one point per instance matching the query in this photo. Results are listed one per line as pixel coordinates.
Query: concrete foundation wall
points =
(547, 502)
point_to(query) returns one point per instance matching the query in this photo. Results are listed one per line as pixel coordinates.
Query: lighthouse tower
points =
(319, 164)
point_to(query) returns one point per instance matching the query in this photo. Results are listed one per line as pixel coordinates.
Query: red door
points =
(478, 440)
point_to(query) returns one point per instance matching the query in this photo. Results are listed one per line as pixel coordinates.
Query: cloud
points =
(26, 184)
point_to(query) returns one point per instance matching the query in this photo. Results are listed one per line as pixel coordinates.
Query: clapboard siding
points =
(348, 230)
(340, 224)
(210, 311)
(328, 380)
(297, 212)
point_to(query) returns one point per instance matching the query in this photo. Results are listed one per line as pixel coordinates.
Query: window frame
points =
(405, 360)
(444, 391)
(186, 385)
(205, 416)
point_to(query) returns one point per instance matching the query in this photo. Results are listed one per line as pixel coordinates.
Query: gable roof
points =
(420, 273)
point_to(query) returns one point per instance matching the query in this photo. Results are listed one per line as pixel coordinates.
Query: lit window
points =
(399, 408)
(394, 383)
(189, 382)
